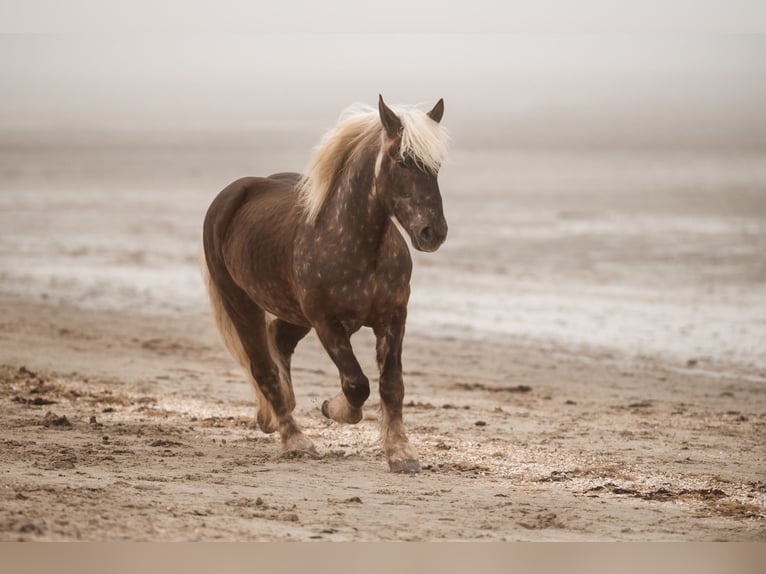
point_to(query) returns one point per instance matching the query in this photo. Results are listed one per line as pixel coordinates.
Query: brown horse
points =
(288, 253)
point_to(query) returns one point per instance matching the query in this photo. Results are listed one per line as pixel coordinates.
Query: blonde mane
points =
(359, 129)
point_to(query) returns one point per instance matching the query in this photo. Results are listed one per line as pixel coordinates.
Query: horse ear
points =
(391, 122)
(438, 111)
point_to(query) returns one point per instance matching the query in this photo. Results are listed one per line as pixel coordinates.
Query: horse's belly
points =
(269, 299)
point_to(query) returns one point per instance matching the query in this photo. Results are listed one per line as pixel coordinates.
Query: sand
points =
(125, 426)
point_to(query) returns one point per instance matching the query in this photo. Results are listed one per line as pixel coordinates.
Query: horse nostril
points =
(427, 233)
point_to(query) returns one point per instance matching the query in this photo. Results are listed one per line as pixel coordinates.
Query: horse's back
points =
(260, 196)
(287, 176)
(265, 193)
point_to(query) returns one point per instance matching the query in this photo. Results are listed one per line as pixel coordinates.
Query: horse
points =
(288, 253)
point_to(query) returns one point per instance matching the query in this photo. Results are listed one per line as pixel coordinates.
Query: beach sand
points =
(121, 426)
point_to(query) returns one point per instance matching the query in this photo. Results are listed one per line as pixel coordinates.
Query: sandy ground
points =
(121, 426)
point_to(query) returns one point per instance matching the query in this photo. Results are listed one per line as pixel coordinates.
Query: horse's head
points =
(406, 174)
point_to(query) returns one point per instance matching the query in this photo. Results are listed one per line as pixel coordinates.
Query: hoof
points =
(299, 446)
(406, 466)
(301, 453)
(338, 410)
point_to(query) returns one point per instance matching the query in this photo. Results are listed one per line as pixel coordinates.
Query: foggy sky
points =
(249, 82)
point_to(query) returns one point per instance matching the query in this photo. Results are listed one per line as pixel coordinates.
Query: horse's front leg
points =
(401, 455)
(345, 407)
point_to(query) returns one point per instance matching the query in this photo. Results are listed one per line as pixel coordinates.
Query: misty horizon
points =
(495, 87)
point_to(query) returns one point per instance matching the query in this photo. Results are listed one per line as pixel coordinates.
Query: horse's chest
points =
(367, 286)
(371, 292)
(356, 282)
(359, 299)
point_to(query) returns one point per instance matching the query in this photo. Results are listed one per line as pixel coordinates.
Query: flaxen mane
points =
(359, 129)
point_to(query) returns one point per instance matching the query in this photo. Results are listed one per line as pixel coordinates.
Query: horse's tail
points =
(215, 273)
(223, 322)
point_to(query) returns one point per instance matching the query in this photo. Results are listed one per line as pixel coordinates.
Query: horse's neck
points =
(354, 216)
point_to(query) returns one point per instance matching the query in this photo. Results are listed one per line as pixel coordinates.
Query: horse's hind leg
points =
(283, 338)
(267, 420)
(251, 326)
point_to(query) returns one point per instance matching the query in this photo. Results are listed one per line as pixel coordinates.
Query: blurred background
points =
(603, 192)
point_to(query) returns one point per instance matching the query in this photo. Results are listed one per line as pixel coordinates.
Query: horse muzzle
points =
(430, 237)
